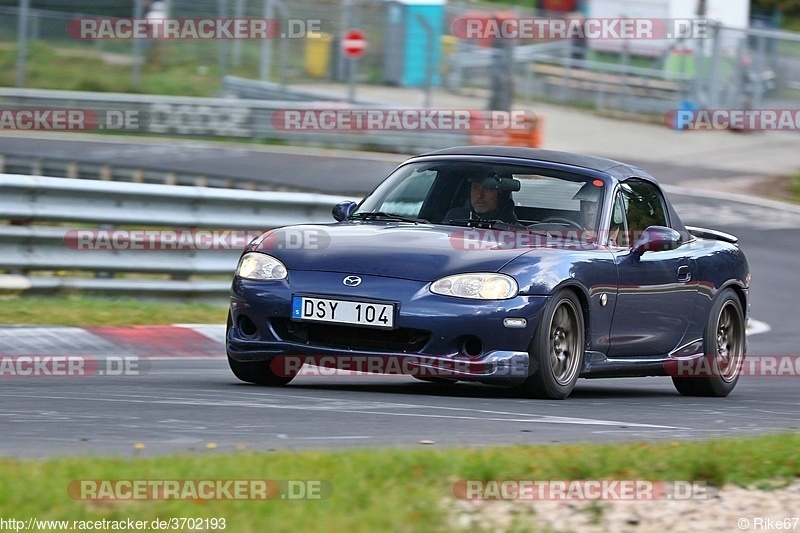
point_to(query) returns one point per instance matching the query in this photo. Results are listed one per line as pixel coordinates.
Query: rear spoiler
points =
(704, 233)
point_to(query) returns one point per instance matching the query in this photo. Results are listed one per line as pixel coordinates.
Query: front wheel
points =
(556, 351)
(724, 343)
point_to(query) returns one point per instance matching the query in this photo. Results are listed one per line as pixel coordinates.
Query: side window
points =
(645, 207)
(618, 230)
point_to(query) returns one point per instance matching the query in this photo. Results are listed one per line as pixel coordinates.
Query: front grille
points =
(402, 340)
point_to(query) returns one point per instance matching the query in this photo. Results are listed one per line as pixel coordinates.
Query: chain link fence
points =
(756, 68)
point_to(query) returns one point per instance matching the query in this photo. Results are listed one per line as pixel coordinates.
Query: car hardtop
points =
(614, 169)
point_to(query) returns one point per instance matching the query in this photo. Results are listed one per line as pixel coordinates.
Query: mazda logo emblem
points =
(352, 281)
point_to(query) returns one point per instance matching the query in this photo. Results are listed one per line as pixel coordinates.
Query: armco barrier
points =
(40, 212)
(222, 117)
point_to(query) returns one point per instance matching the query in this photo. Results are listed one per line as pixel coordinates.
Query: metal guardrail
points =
(41, 214)
(72, 168)
(549, 71)
(224, 117)
(265, 90)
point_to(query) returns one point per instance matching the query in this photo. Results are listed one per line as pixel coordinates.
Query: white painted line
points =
(556, 419)
(214, 332)
(732, 197)
(755, 327)
(540, 419)
(326, 438)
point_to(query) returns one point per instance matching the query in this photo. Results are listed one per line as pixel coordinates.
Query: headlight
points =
(255, 265)
(477, 286)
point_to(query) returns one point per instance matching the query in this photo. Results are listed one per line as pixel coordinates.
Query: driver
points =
(485, 204)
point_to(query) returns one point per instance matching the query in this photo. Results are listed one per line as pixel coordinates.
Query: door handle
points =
(684, 273)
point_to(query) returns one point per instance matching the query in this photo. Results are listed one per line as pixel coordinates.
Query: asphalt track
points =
(183, 405)
(317, 170)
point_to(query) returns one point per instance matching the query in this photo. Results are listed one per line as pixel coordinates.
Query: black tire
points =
(556, 351)
(258, 372)
(724, 345)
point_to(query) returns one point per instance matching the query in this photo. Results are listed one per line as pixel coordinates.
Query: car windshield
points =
(477, 193)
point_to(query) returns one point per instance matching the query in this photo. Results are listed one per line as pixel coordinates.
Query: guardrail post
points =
(714, 76)
(626, 61)
(222, 45)
(600, 100)
(265, 66)
(760, 67)
(22, 39)
(136, 67)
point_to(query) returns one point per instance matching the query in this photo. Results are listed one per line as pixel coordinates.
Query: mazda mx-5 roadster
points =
(505, 266)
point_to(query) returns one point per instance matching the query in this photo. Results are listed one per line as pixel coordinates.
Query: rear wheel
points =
(724, 343)
(556, 351)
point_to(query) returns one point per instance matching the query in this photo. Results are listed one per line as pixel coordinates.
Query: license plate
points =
(343, 312)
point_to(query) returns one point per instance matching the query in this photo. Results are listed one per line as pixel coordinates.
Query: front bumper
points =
(447, 330)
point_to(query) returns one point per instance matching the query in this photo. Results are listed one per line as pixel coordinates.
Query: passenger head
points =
(589, 196)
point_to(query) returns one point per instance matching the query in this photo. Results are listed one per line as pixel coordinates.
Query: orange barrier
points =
(530, 135)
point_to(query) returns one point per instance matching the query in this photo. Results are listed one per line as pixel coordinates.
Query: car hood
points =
(420, 252)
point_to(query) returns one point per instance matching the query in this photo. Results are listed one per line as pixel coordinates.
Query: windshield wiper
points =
(375, 215)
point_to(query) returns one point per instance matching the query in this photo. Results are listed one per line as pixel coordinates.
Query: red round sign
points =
(354, 43)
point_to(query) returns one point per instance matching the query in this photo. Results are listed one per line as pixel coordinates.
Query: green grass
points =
(794, 188)
(791, 22)
(184, 69)
(382, 489)
(90, 312)
(80, 68)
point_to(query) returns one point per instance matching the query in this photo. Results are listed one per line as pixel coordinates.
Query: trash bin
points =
(318, 50)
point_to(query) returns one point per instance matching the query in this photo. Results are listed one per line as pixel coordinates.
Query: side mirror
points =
(342, 210)
(656, 239)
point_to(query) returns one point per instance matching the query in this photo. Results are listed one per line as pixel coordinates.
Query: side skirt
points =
(598, 365)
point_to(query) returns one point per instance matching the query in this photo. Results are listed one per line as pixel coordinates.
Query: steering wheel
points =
(561, 220)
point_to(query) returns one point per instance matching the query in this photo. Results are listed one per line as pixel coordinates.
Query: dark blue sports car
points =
(506, 266)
